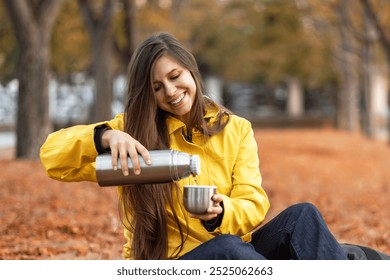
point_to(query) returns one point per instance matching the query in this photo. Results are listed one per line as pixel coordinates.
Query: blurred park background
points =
(312, 76)
(276, 62)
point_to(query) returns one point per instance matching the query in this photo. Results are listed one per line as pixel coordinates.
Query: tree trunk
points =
(368, 65)
(214, 87)
(373, 17)
(348, 97)
(33, 27)
(103, 76)
(100, 31)
(375, 121)
(295, 100)
(125, 52)
(374, 84)
(378, 106)
(384, 40)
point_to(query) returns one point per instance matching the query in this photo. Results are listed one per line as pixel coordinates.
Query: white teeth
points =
(174, 102)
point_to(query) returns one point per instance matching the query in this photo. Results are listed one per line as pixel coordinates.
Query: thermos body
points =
(167, 166)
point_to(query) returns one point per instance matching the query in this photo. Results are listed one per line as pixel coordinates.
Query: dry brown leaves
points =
(344, 175)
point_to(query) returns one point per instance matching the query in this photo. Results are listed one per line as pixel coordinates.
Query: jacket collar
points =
(210, 116)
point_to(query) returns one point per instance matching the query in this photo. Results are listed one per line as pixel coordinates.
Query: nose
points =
(170, 89)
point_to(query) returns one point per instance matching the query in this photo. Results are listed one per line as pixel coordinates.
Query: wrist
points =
(101, 144)
(105, 140)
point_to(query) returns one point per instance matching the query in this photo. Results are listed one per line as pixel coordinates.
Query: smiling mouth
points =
(177, 100)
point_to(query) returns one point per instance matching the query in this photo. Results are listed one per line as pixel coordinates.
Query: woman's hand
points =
(123, 145)
(212, 212)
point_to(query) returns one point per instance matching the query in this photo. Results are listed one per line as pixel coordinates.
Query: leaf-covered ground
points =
(345, 175)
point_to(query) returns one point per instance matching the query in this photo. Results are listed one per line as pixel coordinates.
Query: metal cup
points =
(197, 199)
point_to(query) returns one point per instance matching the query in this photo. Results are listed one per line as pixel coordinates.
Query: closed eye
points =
(175, 77)
(157, 87)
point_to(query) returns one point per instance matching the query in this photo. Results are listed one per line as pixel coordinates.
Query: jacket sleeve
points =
(69, 154)
(247, 204)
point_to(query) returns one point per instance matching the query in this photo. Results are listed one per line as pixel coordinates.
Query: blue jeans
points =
(299, 232)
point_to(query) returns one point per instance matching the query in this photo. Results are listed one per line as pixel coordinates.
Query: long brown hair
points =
(145, 206)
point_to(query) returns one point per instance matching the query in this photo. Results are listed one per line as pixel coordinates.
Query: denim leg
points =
(223, 247)
(299, 232)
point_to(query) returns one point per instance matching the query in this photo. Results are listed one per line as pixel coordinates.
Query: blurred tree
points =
(155, 16)
(347, 62)
(257, 41)
(375, 15)
(269, 42)
(9, 50)
(355, 29)
(352, 32)
(33, 22)
(265, 42)
(98, 17)
(125, 31)
(377, 20)
(70, 43)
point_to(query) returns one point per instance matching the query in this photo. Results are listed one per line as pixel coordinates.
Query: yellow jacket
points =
(229, 160)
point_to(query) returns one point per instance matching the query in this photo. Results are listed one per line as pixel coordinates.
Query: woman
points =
(167, 109)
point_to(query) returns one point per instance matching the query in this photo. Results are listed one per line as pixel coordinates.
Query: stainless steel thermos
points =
(167, 166)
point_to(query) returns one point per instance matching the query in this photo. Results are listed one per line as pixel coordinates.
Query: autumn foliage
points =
(344, 175)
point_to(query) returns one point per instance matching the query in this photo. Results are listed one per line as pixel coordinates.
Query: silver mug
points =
(197, 199)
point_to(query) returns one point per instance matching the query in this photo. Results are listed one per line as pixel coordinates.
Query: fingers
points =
(217, 209)
(132, 152)
(144, 153)
(135, 149)
(217, 198)
(108, 136)
(122, 147)
(114, 158)
(212, 212)
(123, 152)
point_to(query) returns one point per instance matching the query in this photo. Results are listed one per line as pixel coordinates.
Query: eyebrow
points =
(173, 70)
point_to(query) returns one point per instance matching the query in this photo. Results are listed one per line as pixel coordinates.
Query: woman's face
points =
(174, 87)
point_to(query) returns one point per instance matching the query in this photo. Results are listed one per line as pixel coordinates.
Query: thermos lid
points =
(195, 164)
